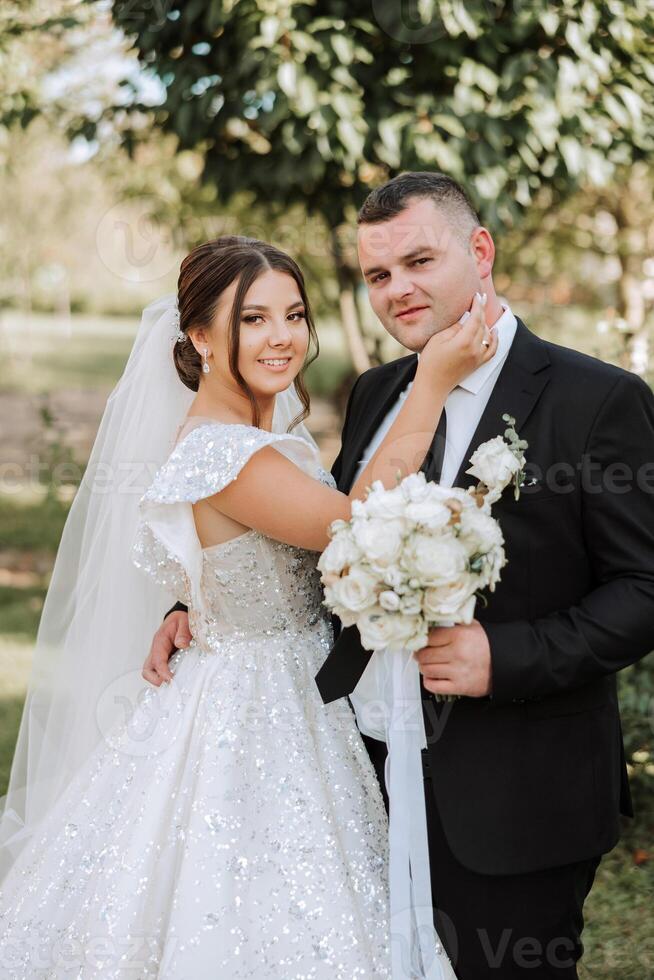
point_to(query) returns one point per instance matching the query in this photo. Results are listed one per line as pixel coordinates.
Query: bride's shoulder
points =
(211, 455)
(230, 442)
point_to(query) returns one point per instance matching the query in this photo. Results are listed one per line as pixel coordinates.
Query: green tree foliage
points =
(32, 40)
(316, 101)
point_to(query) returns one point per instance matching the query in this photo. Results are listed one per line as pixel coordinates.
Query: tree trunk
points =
(632, 241)
(350, 318)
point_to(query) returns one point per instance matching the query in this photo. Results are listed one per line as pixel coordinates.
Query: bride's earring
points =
(205, 364)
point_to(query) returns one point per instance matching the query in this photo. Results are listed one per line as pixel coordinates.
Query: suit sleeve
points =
(178, 607)
(337, 468)
(613, 625)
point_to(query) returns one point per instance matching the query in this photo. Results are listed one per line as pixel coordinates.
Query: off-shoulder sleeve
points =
(211, 456)
(204, 462)
(150, 555)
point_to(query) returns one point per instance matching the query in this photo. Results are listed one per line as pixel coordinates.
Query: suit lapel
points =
(517, 390)
(371, 411)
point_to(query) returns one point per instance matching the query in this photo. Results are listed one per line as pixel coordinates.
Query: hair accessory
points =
(179, 335)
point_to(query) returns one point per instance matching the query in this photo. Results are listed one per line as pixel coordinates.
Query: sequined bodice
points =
(250, 586)
(253, 586)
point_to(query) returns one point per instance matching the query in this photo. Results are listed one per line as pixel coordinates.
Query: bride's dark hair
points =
(204, 275)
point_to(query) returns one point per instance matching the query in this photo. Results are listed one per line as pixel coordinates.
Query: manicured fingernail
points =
(484, 298)
(466, 316)
(478, 296)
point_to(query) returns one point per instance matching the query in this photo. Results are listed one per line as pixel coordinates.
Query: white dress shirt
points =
(464, 406)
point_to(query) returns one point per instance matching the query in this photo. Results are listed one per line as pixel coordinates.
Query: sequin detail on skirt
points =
(234, 828)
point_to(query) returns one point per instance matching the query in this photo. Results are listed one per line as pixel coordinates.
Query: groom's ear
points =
(482, 247)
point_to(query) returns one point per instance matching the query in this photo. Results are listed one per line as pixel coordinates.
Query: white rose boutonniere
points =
(498, 462)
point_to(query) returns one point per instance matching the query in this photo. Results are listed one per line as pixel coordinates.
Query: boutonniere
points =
(497, 463)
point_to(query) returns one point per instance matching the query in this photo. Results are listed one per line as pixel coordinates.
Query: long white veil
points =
(100, 612)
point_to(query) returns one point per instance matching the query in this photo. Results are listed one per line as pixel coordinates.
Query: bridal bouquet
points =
(420, 554)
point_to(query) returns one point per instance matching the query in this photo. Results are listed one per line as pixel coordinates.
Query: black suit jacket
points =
(534, 775)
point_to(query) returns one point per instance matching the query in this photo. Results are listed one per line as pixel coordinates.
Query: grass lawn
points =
(619, 934)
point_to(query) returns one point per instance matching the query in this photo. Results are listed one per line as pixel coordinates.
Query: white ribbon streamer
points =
(388, 707)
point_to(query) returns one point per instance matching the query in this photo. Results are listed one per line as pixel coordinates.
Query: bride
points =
(226, 823)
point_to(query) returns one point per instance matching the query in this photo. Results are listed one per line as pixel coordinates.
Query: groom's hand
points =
(457, 660)
(173, 634)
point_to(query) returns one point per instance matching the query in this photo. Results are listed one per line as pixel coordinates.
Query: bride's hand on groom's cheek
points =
(457, 660)
(173, 634)
(454, 352)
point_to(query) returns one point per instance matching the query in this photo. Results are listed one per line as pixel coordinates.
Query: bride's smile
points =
(255, 343)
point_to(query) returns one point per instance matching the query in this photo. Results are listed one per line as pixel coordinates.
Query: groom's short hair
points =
(395, 195)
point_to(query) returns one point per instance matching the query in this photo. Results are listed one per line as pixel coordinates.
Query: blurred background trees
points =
(130, 131)
(278, 118)
(312, 105)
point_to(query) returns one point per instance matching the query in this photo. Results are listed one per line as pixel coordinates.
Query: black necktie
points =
(433, 462)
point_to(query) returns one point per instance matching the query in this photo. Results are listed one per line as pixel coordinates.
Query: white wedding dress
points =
(234, 828)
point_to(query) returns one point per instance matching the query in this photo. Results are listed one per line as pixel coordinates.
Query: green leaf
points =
(450, 124)
(520, 101)
(287, 78)
(343, 48)
(351, 139)
(572, 154)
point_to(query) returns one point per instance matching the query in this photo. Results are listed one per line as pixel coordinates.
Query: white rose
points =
(379, 629)
(486, 567)
(445, 495)
(381, 541)
(376, 628)
(341, 552)
(394, 577)
(454, 493)
(414, 487)
(434, 560)
(428, 513)
(384, 504)
(411, 604)
(411, 632)
(354, 592)
(493, 496)
(494, 464)
(389, 600)
(337, 526)
(347, 617)
(466, 613)
(446, 602)
(479, 531)
(493, 562)
(481, 502)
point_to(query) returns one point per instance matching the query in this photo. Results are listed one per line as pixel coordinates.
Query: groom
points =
(525, 777)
